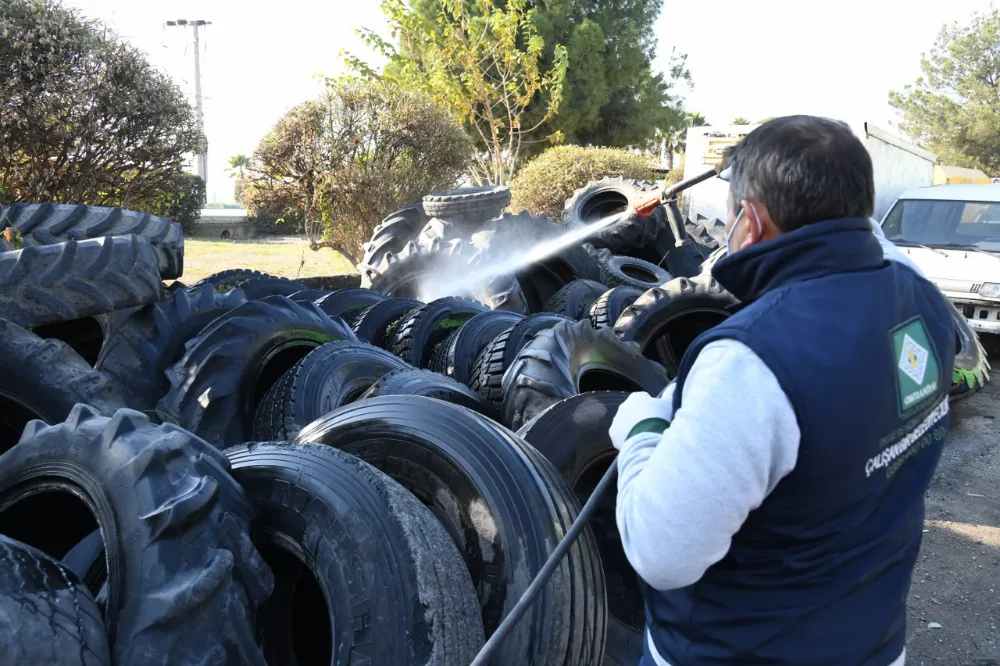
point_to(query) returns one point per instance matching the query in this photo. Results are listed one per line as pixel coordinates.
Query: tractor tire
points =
(52, 283)
(181, 577)
(426, 327)
(44, 380)
(331, 283)
(50, 224)
(600, 199)
(84, 336)
(412, 381)
(329, 377)
(573, 435)
(348, 303)
(497, 356)
(468, 208)
(227, 369)
(414, 604)
(972, 369)
(46, 615)
(505, 508)
(138, 354)
(391, 236)
(572, 358)
(439, 231)
(606, 309)
(574, 300)
(308, 295)
(257, 288)
(377, 323)
(619, 271)
(665, 320)
(456, 356)
(230, 279)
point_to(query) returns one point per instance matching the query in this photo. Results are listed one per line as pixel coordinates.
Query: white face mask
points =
(729, 234)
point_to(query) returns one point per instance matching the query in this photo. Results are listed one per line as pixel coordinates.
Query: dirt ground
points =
(954, 604)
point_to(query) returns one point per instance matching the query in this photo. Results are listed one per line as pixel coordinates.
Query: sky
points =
(752, 59)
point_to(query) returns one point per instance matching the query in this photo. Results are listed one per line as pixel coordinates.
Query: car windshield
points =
(944, 224)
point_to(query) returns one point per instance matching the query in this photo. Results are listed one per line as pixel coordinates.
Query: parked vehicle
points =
(952, 232)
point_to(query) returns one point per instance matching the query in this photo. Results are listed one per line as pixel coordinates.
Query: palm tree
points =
(238, 165)
(675, 140)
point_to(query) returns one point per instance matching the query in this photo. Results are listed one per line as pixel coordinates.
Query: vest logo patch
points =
(917, 376)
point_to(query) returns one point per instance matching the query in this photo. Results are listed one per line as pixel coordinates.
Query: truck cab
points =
(952, 232)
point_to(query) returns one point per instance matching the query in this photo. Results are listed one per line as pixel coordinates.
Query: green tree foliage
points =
(347, 159)
(953, 108)
(85, 118)
(182, 202)
(544, 184)
(481, 60)
(740, 120)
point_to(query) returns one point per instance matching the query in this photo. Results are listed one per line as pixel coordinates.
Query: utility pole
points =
(202, 160)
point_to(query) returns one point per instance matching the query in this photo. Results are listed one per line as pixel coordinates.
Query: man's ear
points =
(760, 226)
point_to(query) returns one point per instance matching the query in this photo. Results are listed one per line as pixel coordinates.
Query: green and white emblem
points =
(917, 370)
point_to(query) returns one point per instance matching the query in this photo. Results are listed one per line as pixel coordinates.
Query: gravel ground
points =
(954, 604)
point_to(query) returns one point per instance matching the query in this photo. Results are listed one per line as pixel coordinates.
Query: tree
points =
(674, 138)
(765, 120)
(481, 61)
(85, 117)
(347, 159)
(238, 165)
(953, 108)
(740, 120)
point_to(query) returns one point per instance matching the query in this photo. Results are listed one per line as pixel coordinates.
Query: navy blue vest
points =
(820, 572)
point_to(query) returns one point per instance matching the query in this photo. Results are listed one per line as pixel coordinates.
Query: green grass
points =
(289, 258)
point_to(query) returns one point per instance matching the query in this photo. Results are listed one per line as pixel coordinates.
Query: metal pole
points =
(198, 106)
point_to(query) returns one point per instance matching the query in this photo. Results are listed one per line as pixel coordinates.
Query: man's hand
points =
(640, 413)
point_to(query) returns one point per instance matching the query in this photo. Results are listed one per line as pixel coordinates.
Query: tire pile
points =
(256, 470)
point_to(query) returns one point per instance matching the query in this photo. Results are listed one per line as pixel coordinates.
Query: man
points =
(771, 499)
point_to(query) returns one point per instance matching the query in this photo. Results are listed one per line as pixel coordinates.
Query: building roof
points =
(984, 193)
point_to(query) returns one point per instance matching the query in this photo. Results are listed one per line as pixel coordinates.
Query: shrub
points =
(543, 184)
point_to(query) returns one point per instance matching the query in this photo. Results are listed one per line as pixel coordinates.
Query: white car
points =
(952, 232)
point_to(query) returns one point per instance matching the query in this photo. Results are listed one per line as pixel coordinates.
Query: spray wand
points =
(667, 197)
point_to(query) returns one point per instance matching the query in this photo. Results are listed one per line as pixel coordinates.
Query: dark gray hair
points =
(805, 169)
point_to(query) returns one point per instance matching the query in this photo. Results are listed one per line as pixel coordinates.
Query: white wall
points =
(708, 198)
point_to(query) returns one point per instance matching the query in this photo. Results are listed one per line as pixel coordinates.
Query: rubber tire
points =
(139, 352)
(331, 283)
(412, 381)
(573, 435)
(85, 336)
(226, 370)
(426, 327)
(972, 369)
(308, 295)
(46, 616)
(230, 279)
(497, 356)
(503, 505)
(45, 379)
(76, 279)
(415, 603)
(653, 320)
(328, 377)
(574, 300)
(460, 350)
(606, 309)
(349, 303)
(49, 224)
(377, 324)
(599, 199)
(262, 287)
(390, 236)
(615, 273)
(556, 363)
(183, 577)
(468, 207)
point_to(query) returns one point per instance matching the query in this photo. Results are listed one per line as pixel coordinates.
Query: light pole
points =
(202, 161)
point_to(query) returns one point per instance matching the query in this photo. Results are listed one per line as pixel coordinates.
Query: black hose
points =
(543, 576)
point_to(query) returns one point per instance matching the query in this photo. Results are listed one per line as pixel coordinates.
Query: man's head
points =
(794, 171)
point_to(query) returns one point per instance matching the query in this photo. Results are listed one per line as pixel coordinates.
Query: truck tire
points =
(573, 358)
(50, 224)
(573, 435)
(46, 616)
(415, 592)
(456, 356)
(468, 207)
(391, 236)
(619, 271)
(44, 380)
(412, 381)
(52, 283)
(606, 309)
(972, 369)
(227, 369)
(139, 352)
(328, 377)
(497, 356)
(377, 324)
(665, 320)
(427, 326)
(230, 279)
(183, 579)
(348, 303)
(574, 300)
(504, 508)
